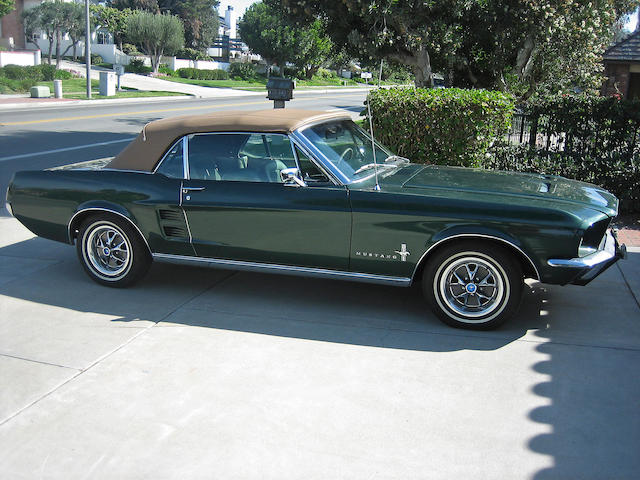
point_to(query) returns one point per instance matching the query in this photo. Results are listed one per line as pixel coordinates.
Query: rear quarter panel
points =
(45, 201)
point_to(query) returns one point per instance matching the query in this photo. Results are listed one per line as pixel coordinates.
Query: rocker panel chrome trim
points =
(476, 235)
(287, 269)
(99, 209)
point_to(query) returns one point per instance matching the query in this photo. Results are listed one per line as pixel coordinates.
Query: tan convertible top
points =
(144, 152)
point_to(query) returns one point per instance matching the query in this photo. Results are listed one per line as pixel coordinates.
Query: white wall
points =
(176, 63)
(24, 58)
(108, 52)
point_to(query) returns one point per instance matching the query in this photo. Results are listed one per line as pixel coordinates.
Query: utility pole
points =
(87, 47)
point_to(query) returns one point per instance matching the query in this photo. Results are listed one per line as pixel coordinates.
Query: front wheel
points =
(111, 251)
(473, 285)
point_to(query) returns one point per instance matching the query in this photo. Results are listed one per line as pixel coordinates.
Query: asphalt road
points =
(38, 138)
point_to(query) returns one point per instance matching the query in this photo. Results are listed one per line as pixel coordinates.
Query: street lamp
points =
(87, 47)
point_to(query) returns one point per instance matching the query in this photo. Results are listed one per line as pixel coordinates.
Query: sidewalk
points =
(145, 83)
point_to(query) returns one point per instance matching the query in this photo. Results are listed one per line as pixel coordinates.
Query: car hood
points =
(490, 182)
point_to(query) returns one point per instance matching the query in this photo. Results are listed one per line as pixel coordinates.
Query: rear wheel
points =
(473, 285)
(111, 251)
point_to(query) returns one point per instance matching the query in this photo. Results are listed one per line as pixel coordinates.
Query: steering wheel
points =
(343, 155)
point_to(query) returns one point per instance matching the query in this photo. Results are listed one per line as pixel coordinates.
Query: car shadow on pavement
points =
(592, 386)
(49, 274)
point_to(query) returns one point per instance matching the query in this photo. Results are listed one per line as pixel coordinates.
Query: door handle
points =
(192, 189)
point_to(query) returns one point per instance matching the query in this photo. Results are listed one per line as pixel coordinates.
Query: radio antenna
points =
(373, 146)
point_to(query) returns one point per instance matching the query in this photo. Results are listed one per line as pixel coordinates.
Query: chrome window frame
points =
(295, 144)
(166, 154)
(293, 141)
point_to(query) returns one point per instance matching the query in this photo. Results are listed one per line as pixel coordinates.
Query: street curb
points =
(124, 101)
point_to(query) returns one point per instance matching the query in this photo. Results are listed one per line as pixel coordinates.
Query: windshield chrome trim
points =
(287, 269)
(327, 165)
(295, 143)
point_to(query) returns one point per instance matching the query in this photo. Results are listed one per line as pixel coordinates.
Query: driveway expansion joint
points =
(39, 361)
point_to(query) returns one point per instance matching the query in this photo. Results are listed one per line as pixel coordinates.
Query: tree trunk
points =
(50, 54)
(58, 40)
(422, 69)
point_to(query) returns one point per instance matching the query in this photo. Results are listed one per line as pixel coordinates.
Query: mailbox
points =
(279, 90)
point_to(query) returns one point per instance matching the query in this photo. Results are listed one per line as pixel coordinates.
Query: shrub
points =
(192, 54)
(592, 139)
(324, 73)
(130, 49)
(17, 72)
(165, 70)
(62, 75)
(137, 66)
(243, 71)
(194, 73)
(440, 126)
(48, 71)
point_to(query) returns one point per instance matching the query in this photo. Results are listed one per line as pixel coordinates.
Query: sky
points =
(239, 6)
(633, 21)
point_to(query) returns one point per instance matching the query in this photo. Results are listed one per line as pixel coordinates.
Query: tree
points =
(48, 17)
(156, 34)
(314, 48)
(146, 5)
(74, 26)
(264, 32)
(200, 18)
(113, 20)
(515, 45)
(407, 32)
(6, 6)
(267, 34)
(56, 18)
(536, 46)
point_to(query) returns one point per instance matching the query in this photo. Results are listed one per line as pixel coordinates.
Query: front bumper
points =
(589, 267)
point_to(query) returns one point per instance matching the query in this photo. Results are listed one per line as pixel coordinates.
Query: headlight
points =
(593, 238)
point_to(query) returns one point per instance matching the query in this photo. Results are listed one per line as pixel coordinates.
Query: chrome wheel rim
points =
(473, 288)
(108, 251)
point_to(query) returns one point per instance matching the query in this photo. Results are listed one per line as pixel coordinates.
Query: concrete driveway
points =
(199, 373)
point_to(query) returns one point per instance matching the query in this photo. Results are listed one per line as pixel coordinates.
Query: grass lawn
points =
(260, 84)
(76, 88)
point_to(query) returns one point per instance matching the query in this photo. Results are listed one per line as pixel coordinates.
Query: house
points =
(622, 68)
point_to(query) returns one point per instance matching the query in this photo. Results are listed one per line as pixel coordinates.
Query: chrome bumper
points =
(589, 267)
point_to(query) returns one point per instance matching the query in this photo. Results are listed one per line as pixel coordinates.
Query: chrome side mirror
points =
(291, 176)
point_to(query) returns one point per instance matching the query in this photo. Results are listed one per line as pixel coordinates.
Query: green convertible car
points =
(310, 193)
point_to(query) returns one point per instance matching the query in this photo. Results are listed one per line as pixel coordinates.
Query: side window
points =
(172, 165)
(266, 155)
(310, 172)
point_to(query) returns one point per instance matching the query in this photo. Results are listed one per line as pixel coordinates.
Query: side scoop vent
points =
(175, 231)
(170, 215)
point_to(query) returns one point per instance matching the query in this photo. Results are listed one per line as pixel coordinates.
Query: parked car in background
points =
(309, 193)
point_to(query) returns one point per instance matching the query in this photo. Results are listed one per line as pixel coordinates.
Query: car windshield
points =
(349, 149)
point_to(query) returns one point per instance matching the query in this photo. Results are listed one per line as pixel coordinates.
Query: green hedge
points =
(242, 71)
(195, 74)
(137, 66)
(593, 139)
(440, 126)
(16, 78)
